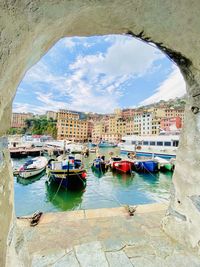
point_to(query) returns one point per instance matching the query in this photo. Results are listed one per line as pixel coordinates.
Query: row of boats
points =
(68, 170)
(133, 164)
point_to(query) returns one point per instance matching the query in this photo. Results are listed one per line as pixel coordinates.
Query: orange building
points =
(170, 124)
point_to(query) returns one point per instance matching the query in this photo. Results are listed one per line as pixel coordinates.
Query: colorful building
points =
(70, 127)
(171, 124)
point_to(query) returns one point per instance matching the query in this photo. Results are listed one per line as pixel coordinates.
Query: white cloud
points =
(69, 42)
(92, 82)
(127, 56)
(174, 86)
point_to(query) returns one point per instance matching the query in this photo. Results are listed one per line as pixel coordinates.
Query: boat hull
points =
(146, 166)
(71, 180)
(106, 146)
(99, 167)
(30, 173)
(122, 166)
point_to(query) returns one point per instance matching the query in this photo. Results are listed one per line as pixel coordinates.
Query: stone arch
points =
(29, 28)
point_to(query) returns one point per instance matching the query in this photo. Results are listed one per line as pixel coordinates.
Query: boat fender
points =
(84, 175)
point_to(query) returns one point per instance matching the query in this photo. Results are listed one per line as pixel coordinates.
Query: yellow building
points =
(129, 127)
(116, 125)
(175, 112)
(19, 119)
(70, 127)
(97, 131)
(155, 127)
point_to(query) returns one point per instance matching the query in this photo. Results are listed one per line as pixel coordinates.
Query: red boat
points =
(122, 166)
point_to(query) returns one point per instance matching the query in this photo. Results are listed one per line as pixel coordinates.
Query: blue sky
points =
(98, 74)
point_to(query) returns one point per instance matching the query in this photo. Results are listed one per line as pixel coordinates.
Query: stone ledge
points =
(93, 213)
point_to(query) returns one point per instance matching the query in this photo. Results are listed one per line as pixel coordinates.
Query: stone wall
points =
(6, 198)
(29, 28)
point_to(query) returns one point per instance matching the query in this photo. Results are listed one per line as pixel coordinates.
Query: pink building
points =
(170, 124)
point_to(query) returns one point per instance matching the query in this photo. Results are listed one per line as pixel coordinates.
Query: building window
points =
(145, 143)
(175, 143)
(167, 143)
(159, 143)
(152, 143)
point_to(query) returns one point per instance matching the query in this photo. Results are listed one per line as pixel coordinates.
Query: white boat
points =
(32, 167)
(163, 164)
(68, 146)
(162, 145)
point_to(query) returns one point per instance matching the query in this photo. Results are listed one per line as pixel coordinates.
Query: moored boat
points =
(145, 165)
(99, 164)
(164, 146)
(113, 160)
(124, 166)
(163, 164)
(32, 167)
(68, 172)
(104, 144)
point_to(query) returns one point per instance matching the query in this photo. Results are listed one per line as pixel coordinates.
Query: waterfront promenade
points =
(104, 238)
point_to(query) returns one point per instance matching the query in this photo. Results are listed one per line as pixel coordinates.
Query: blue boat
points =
(99, 165)
(145, 166)
(103, 144)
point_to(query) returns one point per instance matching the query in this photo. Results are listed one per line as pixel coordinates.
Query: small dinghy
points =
(163, 164)
(99, 165)
(32, 167)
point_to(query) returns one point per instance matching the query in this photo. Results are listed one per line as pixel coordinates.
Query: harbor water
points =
(102, 191)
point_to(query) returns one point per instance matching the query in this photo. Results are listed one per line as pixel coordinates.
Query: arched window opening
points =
(103, 91)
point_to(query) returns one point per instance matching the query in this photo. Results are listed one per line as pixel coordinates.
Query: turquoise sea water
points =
(109, 190)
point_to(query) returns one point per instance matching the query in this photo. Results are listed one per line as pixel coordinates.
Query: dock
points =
(103, 238)
(23, 152)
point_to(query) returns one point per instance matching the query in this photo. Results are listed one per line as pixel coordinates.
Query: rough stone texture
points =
(118, 259)
(91, 254)
(6, 199)
(113, 240)
(29, 28)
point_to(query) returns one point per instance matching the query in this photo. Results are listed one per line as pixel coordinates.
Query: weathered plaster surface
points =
(29, 28)
(6, 198)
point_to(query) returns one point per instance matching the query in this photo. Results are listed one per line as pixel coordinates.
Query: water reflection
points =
(124, 179)
(28, 181)
(61, 198)
(98, 173)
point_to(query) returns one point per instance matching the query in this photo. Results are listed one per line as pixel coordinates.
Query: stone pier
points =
(103, 238)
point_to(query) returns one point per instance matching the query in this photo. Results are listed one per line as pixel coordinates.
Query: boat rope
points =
(58, 189)
(143, 166)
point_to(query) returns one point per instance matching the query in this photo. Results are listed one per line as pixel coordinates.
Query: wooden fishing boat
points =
(99, 165)
(32, 167)
(145, 165)
(67, 172)
(113, 160)
(124, 166)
